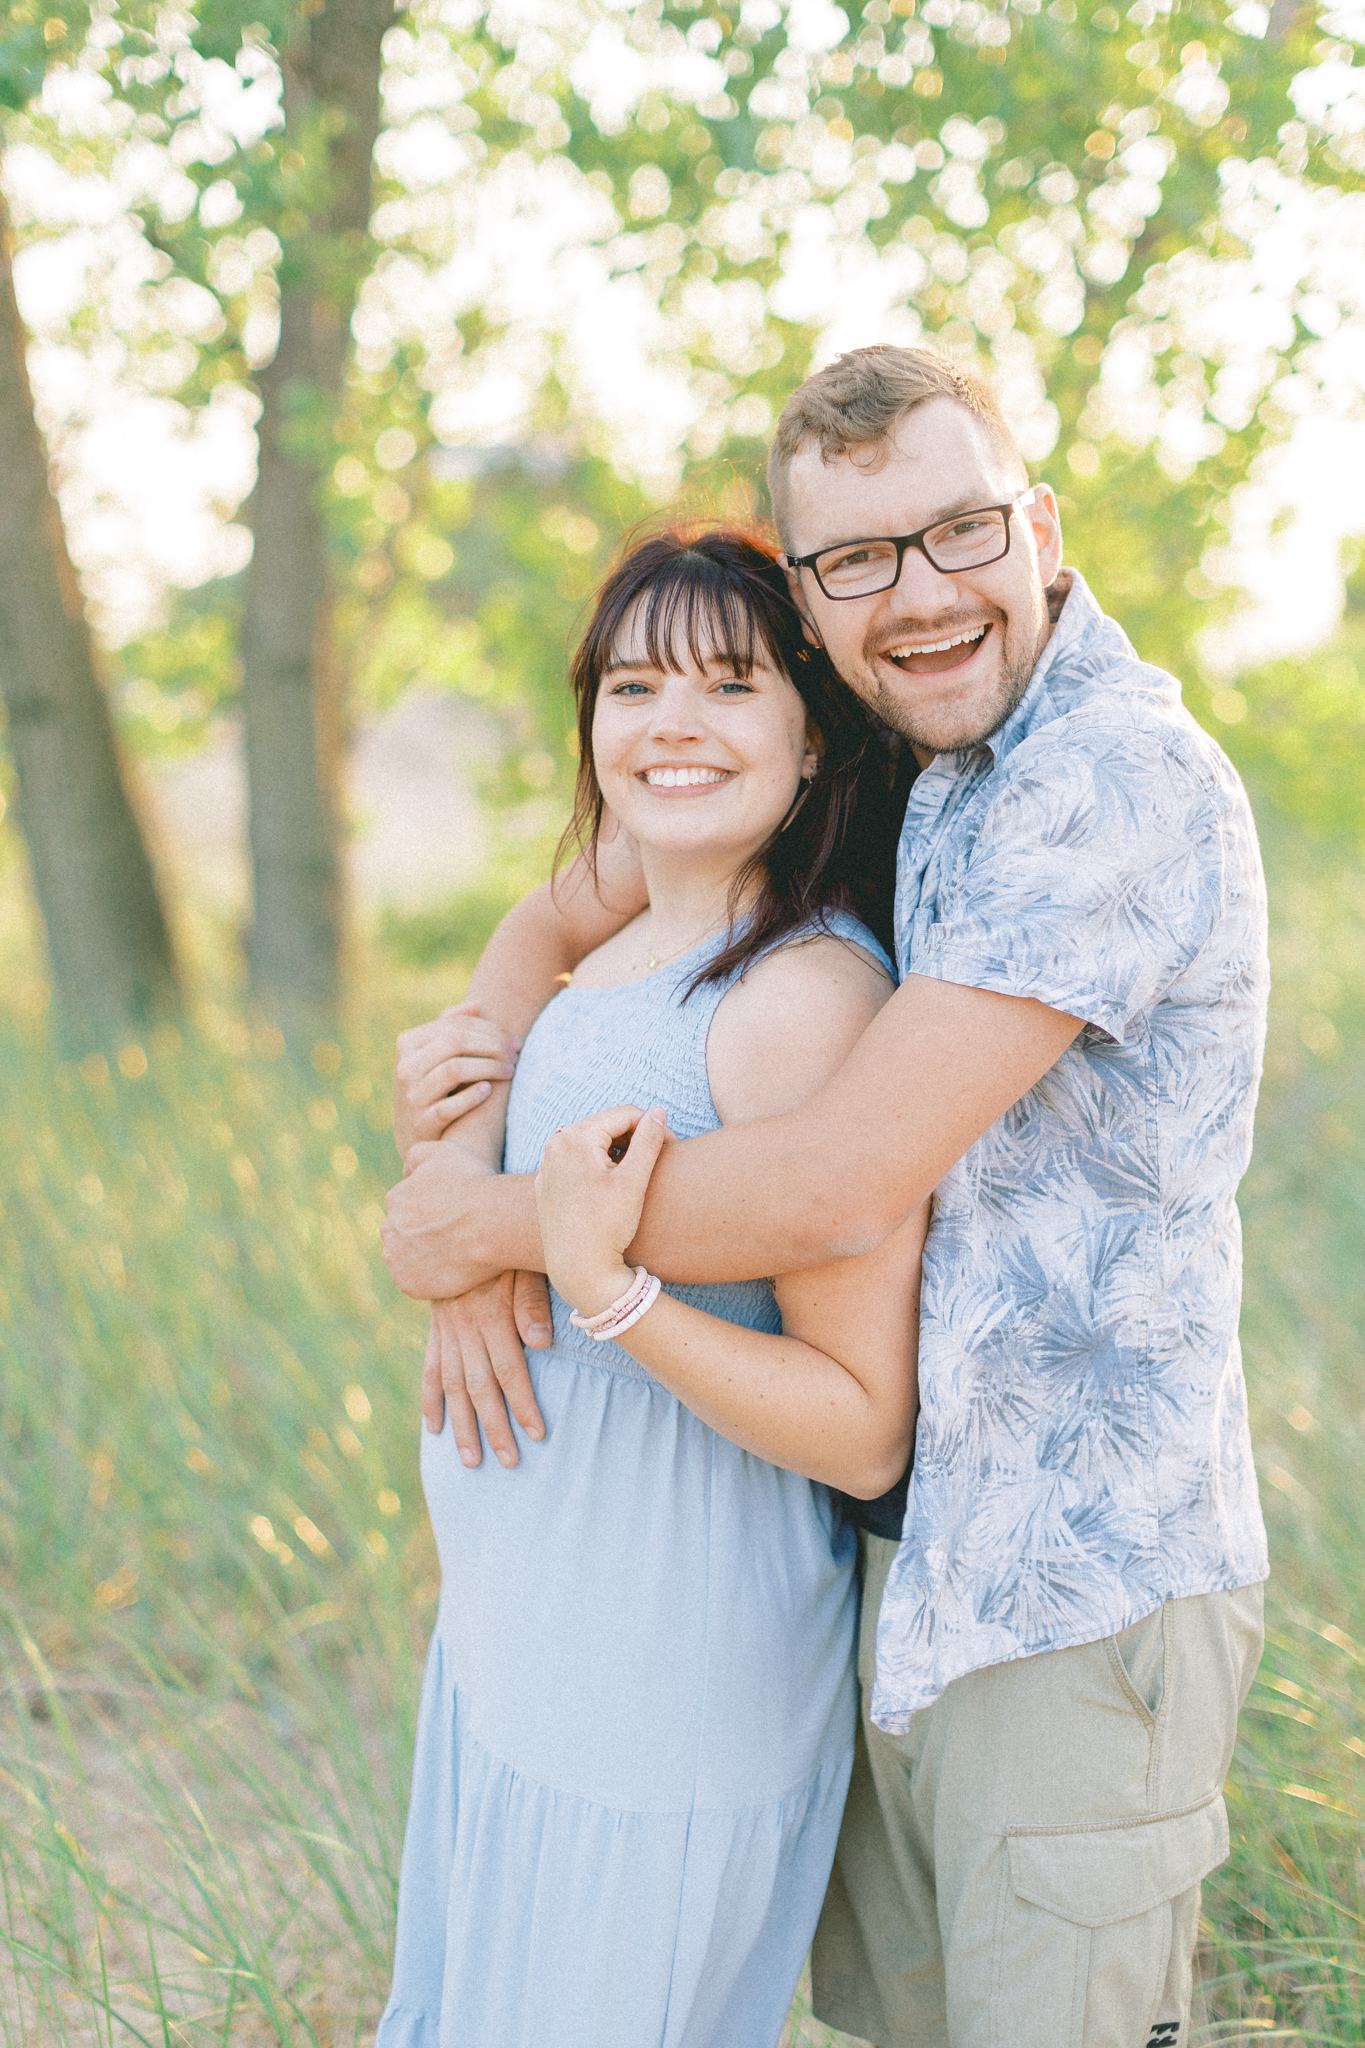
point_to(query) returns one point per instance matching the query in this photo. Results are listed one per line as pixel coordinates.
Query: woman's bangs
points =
(700, 610)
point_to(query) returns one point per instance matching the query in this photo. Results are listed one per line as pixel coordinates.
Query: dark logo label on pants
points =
(1163, 2034)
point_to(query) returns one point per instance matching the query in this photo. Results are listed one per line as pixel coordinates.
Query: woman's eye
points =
(739, 689)
(629, 690)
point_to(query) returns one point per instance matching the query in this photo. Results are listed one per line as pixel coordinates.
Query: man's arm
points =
(936, 1068)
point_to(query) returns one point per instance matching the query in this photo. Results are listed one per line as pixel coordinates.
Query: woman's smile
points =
(685, 776)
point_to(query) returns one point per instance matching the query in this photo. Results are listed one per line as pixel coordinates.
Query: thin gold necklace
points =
(651, 963)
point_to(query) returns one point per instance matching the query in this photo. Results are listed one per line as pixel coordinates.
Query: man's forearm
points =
(935, 1070)
(507, 1233)
(830, 1180)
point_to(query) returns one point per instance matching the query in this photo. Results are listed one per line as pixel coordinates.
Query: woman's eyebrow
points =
(644, 666)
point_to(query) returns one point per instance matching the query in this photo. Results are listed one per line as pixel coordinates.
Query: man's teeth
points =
(683, 778)
(936, 646)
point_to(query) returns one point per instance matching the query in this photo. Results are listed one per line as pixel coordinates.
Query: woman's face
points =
(694, 757)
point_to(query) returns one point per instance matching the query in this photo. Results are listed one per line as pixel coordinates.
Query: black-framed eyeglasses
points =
(862, 568)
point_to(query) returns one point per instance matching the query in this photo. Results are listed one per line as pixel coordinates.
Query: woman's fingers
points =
(599, 1139)
(459, 1071)
(589, 1193)
(609, 1140)
(453, 1032)
(647, 1141)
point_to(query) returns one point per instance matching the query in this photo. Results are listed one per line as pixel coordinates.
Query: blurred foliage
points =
(1054, 192)
(1296, 729)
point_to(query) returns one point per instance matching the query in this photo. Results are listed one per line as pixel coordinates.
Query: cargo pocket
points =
(1087, 1924)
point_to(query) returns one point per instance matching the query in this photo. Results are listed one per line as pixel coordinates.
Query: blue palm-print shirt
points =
(1083, 1451)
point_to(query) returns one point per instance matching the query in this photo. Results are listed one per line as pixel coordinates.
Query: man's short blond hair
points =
(858, 398)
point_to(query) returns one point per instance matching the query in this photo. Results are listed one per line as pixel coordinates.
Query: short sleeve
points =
(1094, 880)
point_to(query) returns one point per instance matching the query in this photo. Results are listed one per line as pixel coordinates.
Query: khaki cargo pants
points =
(1022, 1868)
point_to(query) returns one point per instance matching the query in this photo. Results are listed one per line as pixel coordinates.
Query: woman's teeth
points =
(684, 778)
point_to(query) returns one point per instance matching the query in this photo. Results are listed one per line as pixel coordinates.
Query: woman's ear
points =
(814, 754)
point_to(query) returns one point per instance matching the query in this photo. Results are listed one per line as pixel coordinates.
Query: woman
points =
(638, 1715)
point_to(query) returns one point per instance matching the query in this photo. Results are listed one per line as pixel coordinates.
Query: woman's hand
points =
(445, 1069)
(589, 1198)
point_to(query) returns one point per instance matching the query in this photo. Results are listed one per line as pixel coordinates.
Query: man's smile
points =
(937, 657)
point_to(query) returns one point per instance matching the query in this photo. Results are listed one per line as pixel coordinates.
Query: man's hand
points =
(429, 1212)
(445, 1069)
(476, 1367)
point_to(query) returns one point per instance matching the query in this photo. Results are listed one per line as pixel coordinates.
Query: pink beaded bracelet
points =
(624, 1312)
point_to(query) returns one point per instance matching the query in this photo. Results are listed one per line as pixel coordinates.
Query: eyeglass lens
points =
(870, 566)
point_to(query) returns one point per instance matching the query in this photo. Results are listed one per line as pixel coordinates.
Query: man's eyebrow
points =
(969, 502)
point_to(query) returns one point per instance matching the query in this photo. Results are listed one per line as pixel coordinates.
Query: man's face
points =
(890, 648)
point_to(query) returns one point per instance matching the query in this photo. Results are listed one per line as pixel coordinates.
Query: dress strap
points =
(842, 924)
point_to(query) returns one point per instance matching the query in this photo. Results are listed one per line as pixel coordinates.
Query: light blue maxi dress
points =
(638, 1713)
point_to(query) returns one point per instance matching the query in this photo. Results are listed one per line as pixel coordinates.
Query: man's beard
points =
(980, 720)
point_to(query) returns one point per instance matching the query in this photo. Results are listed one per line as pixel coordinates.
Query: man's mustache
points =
(929, 632)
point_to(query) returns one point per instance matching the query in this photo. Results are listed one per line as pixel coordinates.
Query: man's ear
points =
(1046, 522)
(798, 597)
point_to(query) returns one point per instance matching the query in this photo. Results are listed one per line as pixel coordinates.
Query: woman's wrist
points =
(597, 1289)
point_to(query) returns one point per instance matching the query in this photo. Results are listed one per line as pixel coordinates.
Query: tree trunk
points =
(107, 941)
(290, 692)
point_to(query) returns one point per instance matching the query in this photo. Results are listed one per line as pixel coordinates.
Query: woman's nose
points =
(676, 713)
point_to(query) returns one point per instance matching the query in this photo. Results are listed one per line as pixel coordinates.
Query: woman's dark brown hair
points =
(721, 593)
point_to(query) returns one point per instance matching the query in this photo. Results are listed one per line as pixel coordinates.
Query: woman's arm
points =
(540, 940)
(834, 1396)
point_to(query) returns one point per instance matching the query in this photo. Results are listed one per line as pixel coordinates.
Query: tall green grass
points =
(217, 1578)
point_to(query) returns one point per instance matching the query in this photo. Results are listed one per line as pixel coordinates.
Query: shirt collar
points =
(1075, 627)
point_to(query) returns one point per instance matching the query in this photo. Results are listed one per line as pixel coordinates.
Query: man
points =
(1064, 1634)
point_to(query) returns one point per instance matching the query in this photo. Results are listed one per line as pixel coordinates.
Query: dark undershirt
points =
(884, 1516)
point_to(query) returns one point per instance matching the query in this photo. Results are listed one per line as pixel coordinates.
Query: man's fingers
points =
(433, 1395)
(531, 1309)
(415, 1154)
(463, 1421)
(485, 1391)
(509, 1364)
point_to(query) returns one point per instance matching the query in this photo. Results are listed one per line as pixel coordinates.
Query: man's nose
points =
(921, 588)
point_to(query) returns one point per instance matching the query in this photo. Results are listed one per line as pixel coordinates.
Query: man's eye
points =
(853, 558)
(962, 529)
